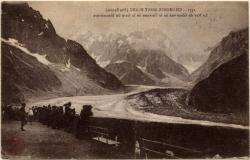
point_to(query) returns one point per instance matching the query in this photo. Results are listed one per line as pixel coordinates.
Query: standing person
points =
(84, 121)
(30, 115)
(67, 115)
(60, 117)
(23, 116)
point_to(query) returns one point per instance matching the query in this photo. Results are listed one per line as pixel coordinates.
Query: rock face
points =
(151, 51)
(225, 90)
(222, 82)
(22, 72)
(155, 66)
(129, 73)
(232, 46)
(35, 59)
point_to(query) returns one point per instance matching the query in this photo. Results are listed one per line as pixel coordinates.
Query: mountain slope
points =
(129, 73)
(16, 64)
(225, 90)
(43, 61)
(232, 46)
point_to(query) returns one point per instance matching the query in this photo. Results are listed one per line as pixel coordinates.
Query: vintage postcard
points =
(124, 79)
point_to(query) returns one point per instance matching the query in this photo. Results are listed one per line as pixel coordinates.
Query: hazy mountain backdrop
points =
(150, 53)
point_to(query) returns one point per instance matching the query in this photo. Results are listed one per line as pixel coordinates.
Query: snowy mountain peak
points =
(151, 49)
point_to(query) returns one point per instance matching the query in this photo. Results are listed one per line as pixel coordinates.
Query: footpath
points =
(41, 142)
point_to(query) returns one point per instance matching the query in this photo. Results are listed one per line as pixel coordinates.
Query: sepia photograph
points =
(124, 80)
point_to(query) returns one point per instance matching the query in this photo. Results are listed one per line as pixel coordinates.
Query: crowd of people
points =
(57, 117)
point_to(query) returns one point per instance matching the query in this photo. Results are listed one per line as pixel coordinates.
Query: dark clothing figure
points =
(23, 116)
(60, 117)
(86, 112)
(8, 113)
(63, 117)
(67, 116)
(84, 120)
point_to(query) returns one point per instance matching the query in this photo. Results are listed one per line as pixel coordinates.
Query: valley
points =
(129, 106)
(172, 87)
(138, 76)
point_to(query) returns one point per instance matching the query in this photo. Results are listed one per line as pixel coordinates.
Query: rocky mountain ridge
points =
(151, 52)
(36, 54)
(231, 46)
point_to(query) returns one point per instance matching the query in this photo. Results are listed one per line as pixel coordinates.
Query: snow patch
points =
(151, 76)
(143, 69)
(40, 58)
(46, 26)
(123, 75)
(120, 61)
(64, 69)
(98, 60)
(96, 57)
(103, 63)
(41, 33)
(120, 42)
(69, 66)
(68, 63)
(78, 69)
(192, 66)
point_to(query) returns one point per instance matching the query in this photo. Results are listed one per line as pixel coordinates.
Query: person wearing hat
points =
(23, 116)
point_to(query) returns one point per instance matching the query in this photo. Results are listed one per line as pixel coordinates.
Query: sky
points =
(191, 35)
